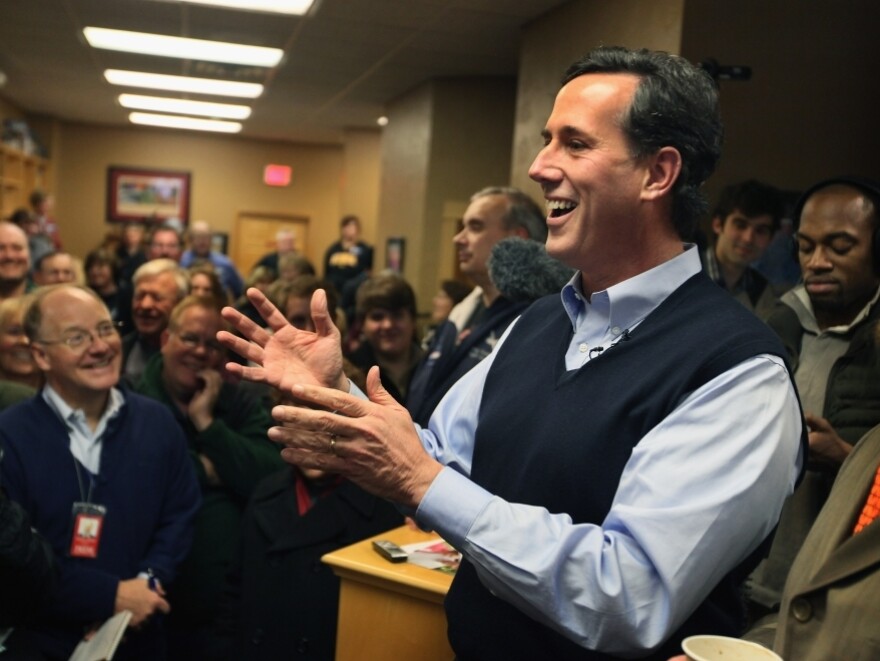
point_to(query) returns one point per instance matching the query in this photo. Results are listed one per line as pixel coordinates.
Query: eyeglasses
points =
(79, 339)
(15, 331)
(191, 341)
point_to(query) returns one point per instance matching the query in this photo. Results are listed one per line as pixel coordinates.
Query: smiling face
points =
(16, 361)
(190, 347)
(100, 276)
(84, 374)
(154, 299)
(834, 249)
(14, 254)
(591, 181)
(741, 239)
(389, 332)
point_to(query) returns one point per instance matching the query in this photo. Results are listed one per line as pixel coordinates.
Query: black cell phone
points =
(389, 550)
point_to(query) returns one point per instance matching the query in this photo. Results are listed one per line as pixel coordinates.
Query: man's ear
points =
(663, 168)
(520, 231)
(40, 357)
(717, 224)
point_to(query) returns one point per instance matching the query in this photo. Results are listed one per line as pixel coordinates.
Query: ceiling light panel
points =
(157, 81)
(182, 47)
(293, 7)
(178, 122)
(184, 106)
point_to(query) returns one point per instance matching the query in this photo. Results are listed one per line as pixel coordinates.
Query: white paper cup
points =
(722, 648)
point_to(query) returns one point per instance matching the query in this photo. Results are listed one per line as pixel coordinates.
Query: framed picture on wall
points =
(138, 194)
(395, 250)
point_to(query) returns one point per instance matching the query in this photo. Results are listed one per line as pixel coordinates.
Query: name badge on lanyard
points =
(88, 523)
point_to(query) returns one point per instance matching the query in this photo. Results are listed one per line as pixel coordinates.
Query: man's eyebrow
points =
(828, 237)
(564, 131)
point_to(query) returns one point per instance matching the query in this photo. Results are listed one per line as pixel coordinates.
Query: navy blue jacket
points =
(146, 482)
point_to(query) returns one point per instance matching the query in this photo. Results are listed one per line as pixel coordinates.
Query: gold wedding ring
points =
(333, 443)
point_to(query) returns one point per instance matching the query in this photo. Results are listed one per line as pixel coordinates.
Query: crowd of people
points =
(632, 435)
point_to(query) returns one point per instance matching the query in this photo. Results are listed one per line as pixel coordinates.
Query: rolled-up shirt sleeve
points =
(699, 493)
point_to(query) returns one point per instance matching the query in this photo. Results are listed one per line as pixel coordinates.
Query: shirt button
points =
(583, 347)
(802, 609)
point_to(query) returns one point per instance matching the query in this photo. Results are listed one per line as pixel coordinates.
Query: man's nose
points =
(542, 169)
(818, 260)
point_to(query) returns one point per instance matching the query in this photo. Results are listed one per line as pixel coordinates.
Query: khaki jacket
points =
(830, 606)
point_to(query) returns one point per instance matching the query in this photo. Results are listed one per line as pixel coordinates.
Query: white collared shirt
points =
(85, 444)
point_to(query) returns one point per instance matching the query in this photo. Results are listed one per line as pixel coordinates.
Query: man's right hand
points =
(135, 595)
(287, 356)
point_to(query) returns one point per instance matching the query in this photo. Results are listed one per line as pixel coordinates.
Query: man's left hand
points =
(373, 443)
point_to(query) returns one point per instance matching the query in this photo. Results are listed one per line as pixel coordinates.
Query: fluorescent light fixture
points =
(158, 81)
(182, 47)
(296, 7)
(184, 107)
(178, 122)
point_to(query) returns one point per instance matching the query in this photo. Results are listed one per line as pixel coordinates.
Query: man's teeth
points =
(560, 207)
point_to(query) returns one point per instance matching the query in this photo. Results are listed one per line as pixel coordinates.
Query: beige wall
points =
(406, 147)
(559, 38)
(810, 109)
(444, 141)
(226, 179)
(360, 180)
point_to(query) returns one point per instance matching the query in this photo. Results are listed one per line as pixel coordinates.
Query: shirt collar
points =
(70, 415)
(632, 300)
(799, 300)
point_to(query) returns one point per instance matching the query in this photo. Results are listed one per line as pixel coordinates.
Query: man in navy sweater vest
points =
(612, 469)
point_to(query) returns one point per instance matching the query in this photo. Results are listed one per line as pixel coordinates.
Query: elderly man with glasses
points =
(225, 426)
(102, 473)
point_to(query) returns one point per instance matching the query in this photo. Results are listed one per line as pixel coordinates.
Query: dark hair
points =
(302, 286)
(751, 198)
(206, 268)
(456, 290)
(349, 219)
(38, 265)
(675, 105)
(522, 211)
(869, 188)
(21, 217)
(388, 291)
(37, 197)
(101, 256)
(165, 228)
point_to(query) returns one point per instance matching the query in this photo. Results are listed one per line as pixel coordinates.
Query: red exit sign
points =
(277, 175)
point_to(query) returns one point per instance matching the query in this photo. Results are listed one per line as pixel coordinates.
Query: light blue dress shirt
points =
(85, 444)
(699, 493)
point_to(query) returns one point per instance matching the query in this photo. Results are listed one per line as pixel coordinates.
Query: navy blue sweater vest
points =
(560, 439)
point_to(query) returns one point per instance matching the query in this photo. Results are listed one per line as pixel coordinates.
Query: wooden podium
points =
(389, 610)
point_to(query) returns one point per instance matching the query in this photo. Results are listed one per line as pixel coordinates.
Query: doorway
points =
(254, 236)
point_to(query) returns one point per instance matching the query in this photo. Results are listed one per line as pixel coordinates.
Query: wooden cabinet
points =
(20, 175)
